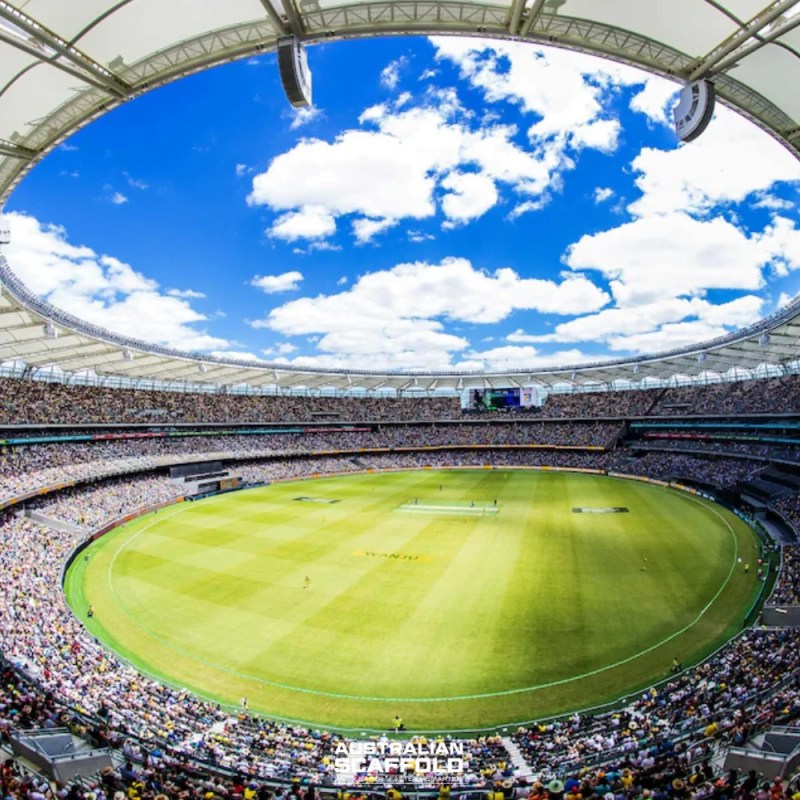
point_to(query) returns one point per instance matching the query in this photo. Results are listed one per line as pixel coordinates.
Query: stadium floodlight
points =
(763, 340)
(50, 331)
(127, 355)
(295, 74)
(694, 110)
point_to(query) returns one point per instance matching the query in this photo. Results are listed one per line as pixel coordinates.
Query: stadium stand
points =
(40, 402)
(787, 588)
(173, 745)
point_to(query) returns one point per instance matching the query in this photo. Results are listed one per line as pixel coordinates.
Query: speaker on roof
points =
(694, 110)
(295, 74)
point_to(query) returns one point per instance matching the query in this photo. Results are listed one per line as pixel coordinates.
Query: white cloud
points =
(655, 100)
(390, 75)
(409, 161)
(136, 183)
(784, 299)
(617, 323)
(528, 206)
(284, 348)
(187, 293)
(395, 318)
(679, 334)
(118, 199)
(601, 194)
(771, 202)
(520, 337)
(304, 116)
(716, 168)
(101, 289)
(242, 170)
(342, 281)
(273, 284)
(365, 229)
(660, 257)
(521, 357)
(470, 195)
(566, 91)
(310, 222)
(780, 242)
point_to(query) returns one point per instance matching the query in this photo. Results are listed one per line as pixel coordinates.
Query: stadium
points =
(224, 577)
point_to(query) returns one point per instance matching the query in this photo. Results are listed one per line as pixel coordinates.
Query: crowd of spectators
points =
(27, 467)
(573, 434)
(623, 403)
(754, 681)
(787, 589)
(261, 471)
(30, 475)
(790, 508)
(663, 465)
(752, 448)
(40, 402)
(92, 505)
(766, 396)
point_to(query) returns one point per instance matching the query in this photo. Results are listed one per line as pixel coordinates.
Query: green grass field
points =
(425, 599)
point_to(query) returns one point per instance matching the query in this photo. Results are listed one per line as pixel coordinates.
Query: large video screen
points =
(494, 399)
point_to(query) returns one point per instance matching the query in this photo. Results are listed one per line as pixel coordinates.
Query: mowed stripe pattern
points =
(414, 613)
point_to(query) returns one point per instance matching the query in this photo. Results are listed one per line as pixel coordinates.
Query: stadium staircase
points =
(56, 524)
(774, 753)
(658, 394)
(522, 769)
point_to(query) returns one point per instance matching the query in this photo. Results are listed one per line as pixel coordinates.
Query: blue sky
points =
(446, 203)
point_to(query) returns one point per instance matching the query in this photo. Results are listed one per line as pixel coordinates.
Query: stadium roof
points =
(64, 64)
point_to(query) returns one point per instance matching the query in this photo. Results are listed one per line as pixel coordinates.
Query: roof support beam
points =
(31, 50)
(16, 151)
(100, 75)
(517, 7)
(773, 11)
(294, 18)
(536, 9)
(274, 17)
(775, 33)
